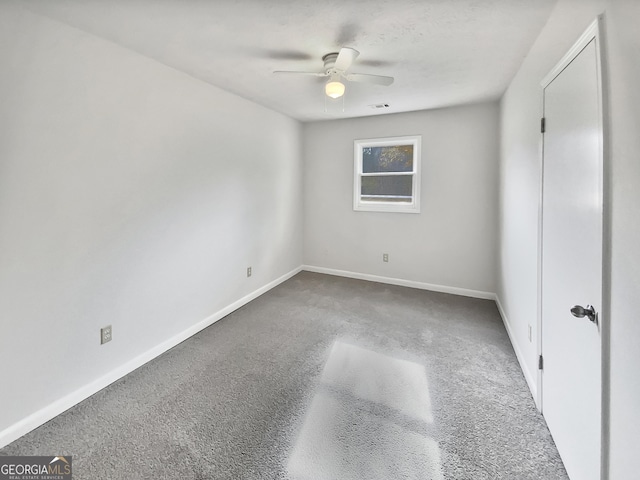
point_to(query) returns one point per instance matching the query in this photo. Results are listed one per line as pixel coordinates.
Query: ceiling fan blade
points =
(366, 78)
(346, 58)
(313, 74)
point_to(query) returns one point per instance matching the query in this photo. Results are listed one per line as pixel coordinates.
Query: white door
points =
(572, 261)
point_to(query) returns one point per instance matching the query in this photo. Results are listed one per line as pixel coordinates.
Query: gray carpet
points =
(320, 378)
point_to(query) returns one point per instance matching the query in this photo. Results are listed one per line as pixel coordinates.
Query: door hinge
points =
(542, 125)
(540, 363)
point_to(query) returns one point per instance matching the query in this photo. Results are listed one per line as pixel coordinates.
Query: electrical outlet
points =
(385, 257)
(530, 331)
(248, 271)
(105, 334)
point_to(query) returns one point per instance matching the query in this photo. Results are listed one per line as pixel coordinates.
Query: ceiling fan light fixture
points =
(334, 88)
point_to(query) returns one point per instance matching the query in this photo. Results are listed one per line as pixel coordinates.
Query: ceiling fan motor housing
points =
(330, 62)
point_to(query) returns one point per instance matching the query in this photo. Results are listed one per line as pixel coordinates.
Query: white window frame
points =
(365, 206)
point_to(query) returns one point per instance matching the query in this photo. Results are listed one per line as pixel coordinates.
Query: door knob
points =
(579, 311)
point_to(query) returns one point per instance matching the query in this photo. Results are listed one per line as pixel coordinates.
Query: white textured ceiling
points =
(441, 52)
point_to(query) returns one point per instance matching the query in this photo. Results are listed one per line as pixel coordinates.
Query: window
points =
(387, 175)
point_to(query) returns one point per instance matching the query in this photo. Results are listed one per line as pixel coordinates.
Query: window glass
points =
(397, 158)
(396, 187)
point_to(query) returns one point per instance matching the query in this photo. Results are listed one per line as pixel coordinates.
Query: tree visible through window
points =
(386, 174)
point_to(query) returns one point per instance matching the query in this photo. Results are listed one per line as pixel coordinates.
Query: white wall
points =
(519, 190)
(451, 243)
(130, 195)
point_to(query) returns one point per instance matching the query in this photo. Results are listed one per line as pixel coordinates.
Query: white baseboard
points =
(528, 376)
(45, 414)
(403, 283)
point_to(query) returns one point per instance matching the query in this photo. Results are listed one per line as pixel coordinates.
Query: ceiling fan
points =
(335, 68)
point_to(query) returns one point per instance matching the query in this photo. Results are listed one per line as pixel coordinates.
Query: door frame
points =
(593, 32)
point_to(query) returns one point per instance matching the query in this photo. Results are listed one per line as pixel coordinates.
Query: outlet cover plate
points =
(105, 334)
